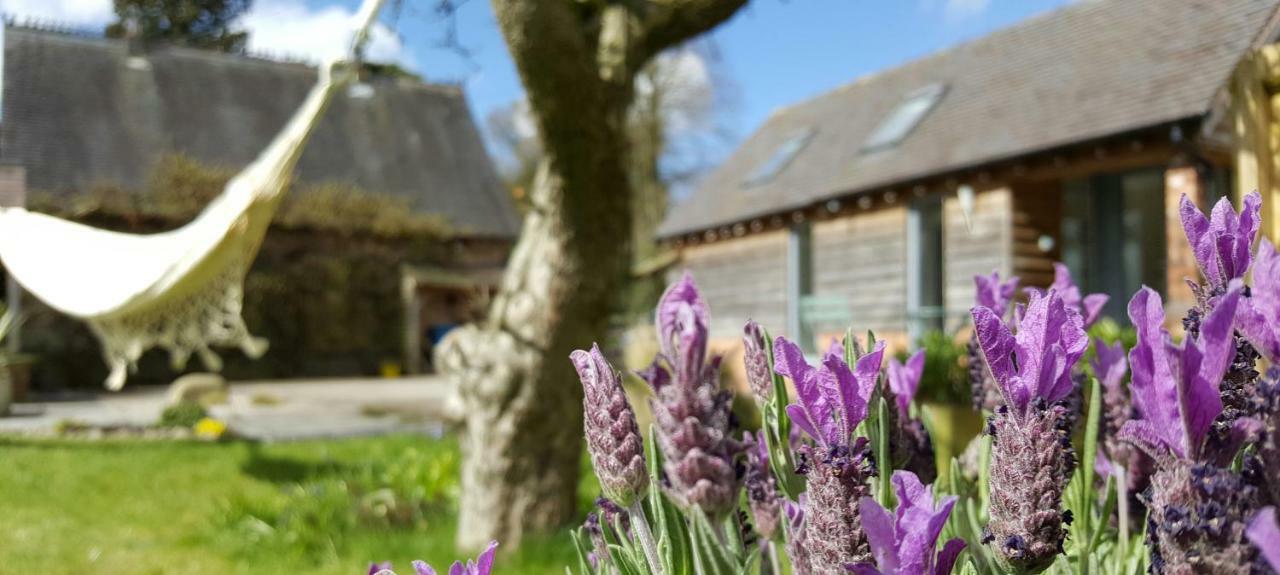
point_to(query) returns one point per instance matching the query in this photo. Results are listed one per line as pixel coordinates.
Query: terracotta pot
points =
(951, 426)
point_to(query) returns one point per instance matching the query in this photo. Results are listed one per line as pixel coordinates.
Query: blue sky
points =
(773, 53)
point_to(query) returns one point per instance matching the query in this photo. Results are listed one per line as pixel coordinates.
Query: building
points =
(1070, 136)
(84, 113)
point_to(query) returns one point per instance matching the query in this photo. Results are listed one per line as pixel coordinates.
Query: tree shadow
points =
(284, 469)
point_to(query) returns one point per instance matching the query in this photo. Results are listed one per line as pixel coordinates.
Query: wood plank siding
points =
(861, 258)
(742, 278)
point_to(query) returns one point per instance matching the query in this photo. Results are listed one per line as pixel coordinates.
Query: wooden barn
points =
(1068, 137)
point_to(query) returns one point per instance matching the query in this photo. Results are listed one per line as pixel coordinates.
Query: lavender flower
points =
(911, 446)
(1175, 387)
(833, 401)
(1031, 457)
(994, 294)
(997, 297)
(1223, 242)
(1259, 315)
(1089, 307)
(613, 438)
(483, 565)
(1110, 367)
(1197, 508)
(1265, 535)
(763, 496)
(905, 543)
(690, 409)
(757, 362)
(795, 540)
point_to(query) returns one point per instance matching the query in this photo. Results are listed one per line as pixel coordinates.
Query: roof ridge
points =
(67, 30)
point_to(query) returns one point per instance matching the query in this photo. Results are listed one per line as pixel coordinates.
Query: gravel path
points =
(265, 410)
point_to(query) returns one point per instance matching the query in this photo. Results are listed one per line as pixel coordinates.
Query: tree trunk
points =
(519, 394)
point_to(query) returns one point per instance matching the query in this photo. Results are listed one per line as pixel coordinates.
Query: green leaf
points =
(669, 526)
(709, 549)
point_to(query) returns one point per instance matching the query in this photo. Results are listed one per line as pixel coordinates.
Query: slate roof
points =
(77, 111)
(1089, 70)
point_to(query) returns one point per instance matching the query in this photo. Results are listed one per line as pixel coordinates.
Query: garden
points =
(1034, 434)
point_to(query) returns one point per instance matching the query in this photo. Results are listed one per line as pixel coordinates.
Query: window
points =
(799, 282)
(904, 118)
(925, 309)
(780, 159)
(1113, 234)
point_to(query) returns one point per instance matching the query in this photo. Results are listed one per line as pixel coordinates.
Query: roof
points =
(1085, 71)
(78, 111)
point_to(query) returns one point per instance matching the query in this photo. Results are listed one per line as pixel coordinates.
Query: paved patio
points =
(265, 410)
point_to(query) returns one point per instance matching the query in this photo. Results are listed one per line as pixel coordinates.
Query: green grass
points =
(193, 508)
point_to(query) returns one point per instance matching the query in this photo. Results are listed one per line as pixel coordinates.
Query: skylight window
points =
(904, 118)
(780, 159)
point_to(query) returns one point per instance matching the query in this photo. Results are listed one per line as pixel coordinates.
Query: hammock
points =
(180, 290)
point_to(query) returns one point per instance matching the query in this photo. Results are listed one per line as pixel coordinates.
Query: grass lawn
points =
(194, 508)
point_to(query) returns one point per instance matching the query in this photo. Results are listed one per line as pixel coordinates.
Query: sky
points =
(772, 54)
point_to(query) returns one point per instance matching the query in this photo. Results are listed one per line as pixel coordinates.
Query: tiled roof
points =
(77, 111)
(1089, 70)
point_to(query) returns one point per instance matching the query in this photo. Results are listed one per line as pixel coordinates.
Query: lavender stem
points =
(647, 542)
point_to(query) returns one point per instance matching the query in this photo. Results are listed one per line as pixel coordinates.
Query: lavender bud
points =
(986, 392)
(1199, 514)
(692, 413)
(757, 362)
(763, 496)
(837, 482)
(613, 438)
(1030, 465)
(795, 540)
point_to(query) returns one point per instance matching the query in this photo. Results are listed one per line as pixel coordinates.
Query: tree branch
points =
(671, 22)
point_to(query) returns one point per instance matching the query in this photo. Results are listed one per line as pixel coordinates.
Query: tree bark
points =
(519, 394)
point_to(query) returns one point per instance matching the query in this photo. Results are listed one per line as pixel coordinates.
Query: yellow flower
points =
(209, 428)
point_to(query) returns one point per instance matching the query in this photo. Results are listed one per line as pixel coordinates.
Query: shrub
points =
(184, 414)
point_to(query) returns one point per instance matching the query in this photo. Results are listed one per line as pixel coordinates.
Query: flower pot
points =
(951, 427)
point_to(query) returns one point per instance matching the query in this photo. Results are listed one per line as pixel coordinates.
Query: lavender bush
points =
(1072, 453)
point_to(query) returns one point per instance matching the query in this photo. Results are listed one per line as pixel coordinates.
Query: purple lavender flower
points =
(833, 398)
(1265, 535)
(994, 294)
(690, 409)
(380, 567)
(1175, 387)
(910, 444)
(483, 565)
(1037, 362)
(1031, 456)
(1089, 307)
(613, 438)
(904, 380)
(833, 401)
(1197, 508)
(997, 297)
(757, 363)
(1259, 315)
(1223, 242)
(1110, 367)
(763, 496)
(905, 543)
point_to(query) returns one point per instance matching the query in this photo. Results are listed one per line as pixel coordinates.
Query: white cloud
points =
(958, 9)
(290, 27)
(87, 13)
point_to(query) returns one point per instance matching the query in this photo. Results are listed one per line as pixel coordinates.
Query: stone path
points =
(266, 410)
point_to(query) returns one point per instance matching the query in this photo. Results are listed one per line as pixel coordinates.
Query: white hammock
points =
(181, 290)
